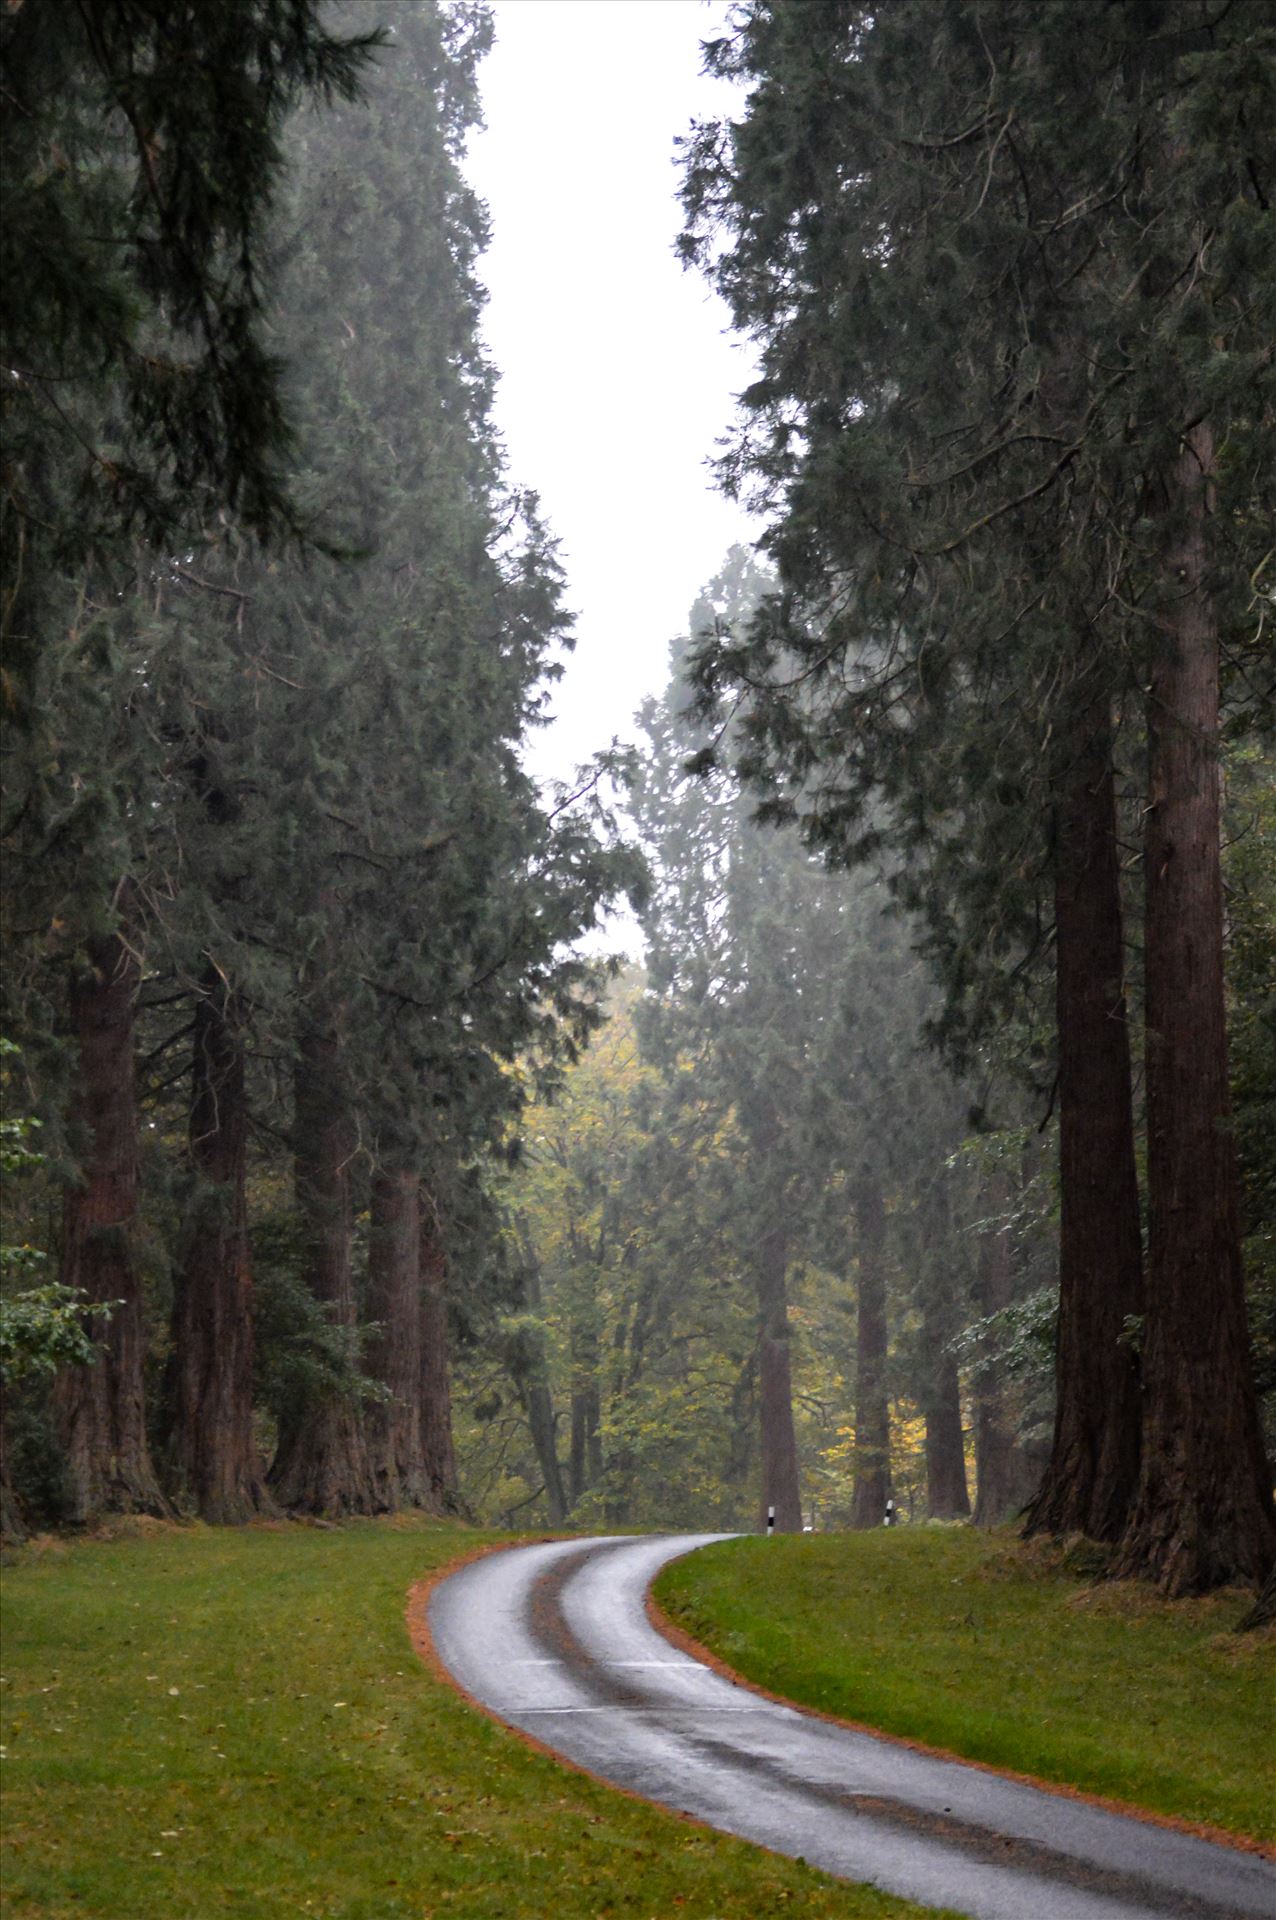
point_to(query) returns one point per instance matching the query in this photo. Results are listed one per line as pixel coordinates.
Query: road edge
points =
(1196, 1829)
(417, 1619)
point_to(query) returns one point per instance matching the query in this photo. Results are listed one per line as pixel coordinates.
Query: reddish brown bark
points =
(1203, 1515)
(393, 1425)
(442, 1478)
(212, 1364)
(321, 1465)
(781, 1488)
(872, 1408)
(1094, 1461)
(100, 1408)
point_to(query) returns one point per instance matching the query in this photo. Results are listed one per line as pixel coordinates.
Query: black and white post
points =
(770, 1521)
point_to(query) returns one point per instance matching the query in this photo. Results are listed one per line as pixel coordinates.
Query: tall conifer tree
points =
(972, 243)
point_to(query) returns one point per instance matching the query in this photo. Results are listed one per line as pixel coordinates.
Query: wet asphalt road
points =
(555, 1640)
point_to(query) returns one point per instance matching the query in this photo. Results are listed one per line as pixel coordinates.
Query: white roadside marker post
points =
(889, 1519)
(770, 1522)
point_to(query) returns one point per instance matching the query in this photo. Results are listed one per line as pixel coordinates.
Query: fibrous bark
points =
(1203, 1515)
(781, 1489)
(211, 1371)
(100, 1408)
(1093, 1470)
(872, 1407)
(321, 1465)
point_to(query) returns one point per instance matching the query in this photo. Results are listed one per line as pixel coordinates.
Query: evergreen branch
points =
(144, 1060)
(992, 161)
(283, 680)
(570, 800)
(1007, 506)
(922, 145)
(366, 859)
(989, 453)
(153, 1091)
(209, 586)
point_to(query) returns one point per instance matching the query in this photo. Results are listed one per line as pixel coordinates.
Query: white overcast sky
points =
(617, 375)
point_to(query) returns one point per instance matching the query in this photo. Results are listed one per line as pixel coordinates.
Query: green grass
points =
(202, 1723)
(994, 1650)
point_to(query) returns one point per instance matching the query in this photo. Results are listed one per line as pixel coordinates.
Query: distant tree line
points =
(302, 1134)
(769, 1270)
(777, 1252)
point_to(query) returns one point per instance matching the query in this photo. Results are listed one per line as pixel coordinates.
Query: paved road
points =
(554, 1639)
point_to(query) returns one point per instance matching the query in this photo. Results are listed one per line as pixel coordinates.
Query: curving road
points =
(555, 1640)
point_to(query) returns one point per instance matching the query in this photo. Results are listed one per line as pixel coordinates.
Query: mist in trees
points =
(286, 905)
(922, 1160)
(752, 1224)
(1021, 582)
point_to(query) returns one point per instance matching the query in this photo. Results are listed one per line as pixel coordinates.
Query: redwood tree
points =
(101, 1410)
(321, 1465)
(1204, 1513)
(212, 1330)
(975, 443)
(1090, 1481)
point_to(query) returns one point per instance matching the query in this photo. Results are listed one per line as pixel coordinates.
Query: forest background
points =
(364, 1187)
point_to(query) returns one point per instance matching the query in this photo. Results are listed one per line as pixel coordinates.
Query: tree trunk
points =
(529, 1370)
(393, 1426)
(872, 1407)
(1094, 1458)
(586, 1465)
(586, 1458)
(212, 1322)
(781, 1488)
(539, 1407)
(13, 1528)
(101, 1414)
(947, 1497)
(1003, 1477)
(438, 1452)
(1203, 1516)
(321, 1465)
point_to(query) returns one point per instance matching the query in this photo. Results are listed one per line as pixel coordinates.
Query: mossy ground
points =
(1003, 1653)
(201, 1723)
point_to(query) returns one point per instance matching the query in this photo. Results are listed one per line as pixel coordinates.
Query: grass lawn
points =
(994, 1650)
(201, 1723)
